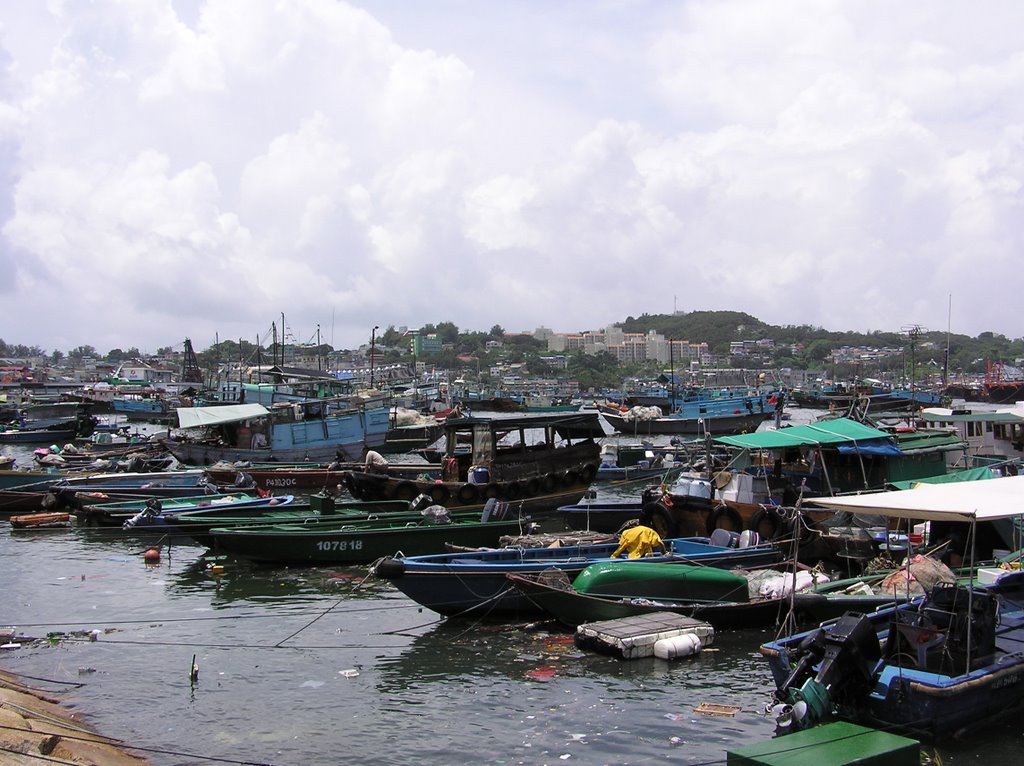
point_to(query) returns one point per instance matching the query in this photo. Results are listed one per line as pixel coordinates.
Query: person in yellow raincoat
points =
(639, 541)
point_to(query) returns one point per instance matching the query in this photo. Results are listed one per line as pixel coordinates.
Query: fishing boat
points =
(639, 423)
(146, 484)
(936, 667)
(474, 582)
(310, 477)
(152, 512)
(196, 524)
(38, 435)
(309, 430)
(360, 542)
(536, 462)
(615, 589)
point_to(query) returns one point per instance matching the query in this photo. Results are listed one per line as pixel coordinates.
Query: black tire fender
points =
(468, 495)
(406, 491)
(659, 518)
(767, 523)
(724, 513)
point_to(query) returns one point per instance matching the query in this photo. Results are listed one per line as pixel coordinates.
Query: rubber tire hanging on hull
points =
(724, 513)
(767, 523)
(660, 519)
(406, 491)
(468, 495)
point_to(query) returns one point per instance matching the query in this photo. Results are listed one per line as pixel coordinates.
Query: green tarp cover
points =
(838, 431)
(945, 415)
(971, 474)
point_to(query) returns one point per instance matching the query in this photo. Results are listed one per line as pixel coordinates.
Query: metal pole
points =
(373, 343)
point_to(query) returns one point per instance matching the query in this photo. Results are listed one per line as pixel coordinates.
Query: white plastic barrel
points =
(677, 646)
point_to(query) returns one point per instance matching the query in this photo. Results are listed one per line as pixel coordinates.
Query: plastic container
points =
(677, 646)
(478, 474)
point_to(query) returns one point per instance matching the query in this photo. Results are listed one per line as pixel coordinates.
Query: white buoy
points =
(677, 646)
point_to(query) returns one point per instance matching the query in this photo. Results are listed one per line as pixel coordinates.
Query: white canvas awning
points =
(958, 501)
(192, 417)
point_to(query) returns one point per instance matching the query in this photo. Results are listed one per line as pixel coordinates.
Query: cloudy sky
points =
(197, 168)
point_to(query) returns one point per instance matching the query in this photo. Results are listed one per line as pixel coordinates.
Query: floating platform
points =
(631, 638)
(835, 744)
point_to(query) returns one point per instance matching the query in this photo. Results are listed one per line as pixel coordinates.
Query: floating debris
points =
(711, 708)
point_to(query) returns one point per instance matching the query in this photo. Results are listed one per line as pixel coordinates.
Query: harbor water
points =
(327, 665)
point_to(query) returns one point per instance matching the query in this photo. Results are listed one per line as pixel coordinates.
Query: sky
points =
(175, 169)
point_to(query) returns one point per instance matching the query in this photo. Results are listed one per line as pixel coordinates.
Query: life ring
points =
(660, 519)
(406, 491)
(588, 472)
(767, 523)
(492, 490)
(468, 494)
(549, 483)
(533, 487)
(570, 479)
(439, 494)
(724, 517)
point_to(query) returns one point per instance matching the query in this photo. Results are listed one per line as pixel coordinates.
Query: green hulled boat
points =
(360, 542)
(197, 524)
(612, 590)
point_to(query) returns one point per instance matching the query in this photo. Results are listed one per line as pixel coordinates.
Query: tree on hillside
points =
(448, 332)
(594, 370)
(82, 351)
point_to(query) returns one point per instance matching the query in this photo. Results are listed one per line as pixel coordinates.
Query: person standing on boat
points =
(374, 462)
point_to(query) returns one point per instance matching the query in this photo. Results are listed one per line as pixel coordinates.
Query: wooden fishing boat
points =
(312, 477)
(474, 582)
(541, 461)
(359, 542)
(318, 430)
(612, 590)
(721, 424)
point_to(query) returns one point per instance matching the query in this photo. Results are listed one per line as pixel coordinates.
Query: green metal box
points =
(835, 744)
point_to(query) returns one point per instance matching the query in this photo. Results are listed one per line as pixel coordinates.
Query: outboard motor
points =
(150, 511)
(244, 480)
(420, 502)
(846, 654)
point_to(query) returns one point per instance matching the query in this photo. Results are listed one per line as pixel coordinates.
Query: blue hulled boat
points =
(475, 583)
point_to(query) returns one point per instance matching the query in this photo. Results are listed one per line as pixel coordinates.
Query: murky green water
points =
(320, 666)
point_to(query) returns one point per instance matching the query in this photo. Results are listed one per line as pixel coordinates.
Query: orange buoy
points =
(151, 554)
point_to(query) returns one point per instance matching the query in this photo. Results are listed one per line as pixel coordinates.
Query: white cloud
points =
(209, 165)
